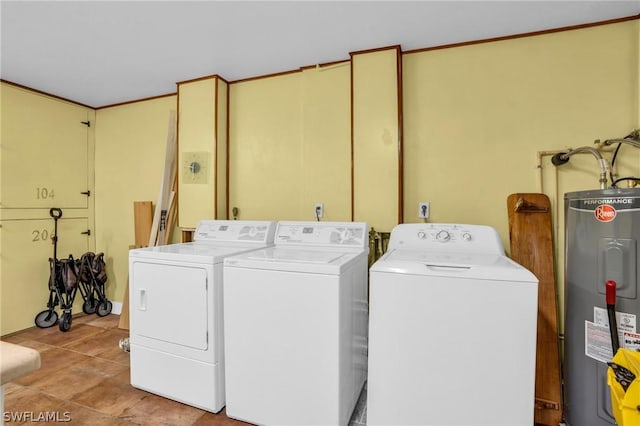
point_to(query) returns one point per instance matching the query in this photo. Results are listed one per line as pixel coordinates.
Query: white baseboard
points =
(117, 308)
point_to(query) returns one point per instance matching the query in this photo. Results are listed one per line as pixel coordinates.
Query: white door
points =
(169, 303)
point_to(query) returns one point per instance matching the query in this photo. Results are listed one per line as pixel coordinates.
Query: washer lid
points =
(438, 257)
(296, 256)
(460, 265)
(308, 260)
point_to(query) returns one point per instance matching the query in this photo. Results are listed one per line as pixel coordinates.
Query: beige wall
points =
(130, 149)
(482, 121)
(476, 117)
(479, 123)
(289, 141)
(376, 138)
(47, 162)
(202, 139)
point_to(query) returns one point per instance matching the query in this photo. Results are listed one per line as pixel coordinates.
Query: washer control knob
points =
(422, 235)
(466, 236)
(443, 236)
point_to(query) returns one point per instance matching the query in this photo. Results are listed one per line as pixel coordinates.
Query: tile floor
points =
(84, 379)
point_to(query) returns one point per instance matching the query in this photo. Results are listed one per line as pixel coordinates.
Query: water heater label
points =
(626, 322)
(597, 338)
(597, 342)
(606, 209)
(615, 203)
(631, 341)
(618, 202)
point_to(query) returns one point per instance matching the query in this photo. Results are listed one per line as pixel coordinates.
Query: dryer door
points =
(168, 303)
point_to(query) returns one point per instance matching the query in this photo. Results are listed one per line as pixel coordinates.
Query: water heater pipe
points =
(632, 139)
(627, 141)
(563, 157)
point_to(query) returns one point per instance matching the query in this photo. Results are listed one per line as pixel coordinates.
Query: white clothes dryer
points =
(176, 313)
(296, 324)
(452, 330)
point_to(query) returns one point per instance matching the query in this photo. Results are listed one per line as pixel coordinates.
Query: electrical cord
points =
(614, 184)
(615, 154)
(632, 138)
(613, 161)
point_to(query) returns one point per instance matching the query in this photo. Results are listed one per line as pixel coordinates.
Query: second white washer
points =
(295, 326)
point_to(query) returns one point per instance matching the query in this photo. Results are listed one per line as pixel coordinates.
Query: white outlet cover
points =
(426, 213)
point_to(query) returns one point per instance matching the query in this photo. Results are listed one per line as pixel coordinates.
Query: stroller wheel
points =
(104, 308)
(89, 306)
(65, 322)
(46, 318)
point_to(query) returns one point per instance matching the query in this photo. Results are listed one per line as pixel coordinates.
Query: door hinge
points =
(86, 123)
(87, 193)
(87, 232)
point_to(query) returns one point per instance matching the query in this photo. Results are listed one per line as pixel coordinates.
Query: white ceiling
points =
(104, 52)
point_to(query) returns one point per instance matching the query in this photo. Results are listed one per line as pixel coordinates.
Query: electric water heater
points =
(602, 230)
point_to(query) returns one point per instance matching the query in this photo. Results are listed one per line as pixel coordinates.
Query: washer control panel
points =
(345, 234)
(235, 230)
(446, 237)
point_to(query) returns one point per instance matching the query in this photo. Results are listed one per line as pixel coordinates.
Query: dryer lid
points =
(193, 252)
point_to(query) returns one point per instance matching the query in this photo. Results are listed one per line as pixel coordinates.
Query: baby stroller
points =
(63, 278)
(92, 278)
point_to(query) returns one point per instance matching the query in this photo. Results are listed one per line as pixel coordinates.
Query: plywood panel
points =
(143, 219)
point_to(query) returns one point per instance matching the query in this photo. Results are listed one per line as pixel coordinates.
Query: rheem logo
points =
(605, 213)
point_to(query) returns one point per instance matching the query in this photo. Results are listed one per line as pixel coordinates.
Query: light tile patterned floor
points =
(84, 379)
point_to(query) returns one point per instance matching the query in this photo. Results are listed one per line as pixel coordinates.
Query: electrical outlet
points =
(423, 210)
(318, 210)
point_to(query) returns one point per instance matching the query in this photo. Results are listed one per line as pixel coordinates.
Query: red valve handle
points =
(611, 292)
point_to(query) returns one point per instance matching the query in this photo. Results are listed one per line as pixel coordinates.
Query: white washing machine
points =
(175, 299)
(295, 326)
(452, 330)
